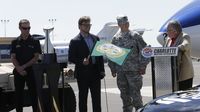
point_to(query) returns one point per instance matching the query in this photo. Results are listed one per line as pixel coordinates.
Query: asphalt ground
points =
(110, 95)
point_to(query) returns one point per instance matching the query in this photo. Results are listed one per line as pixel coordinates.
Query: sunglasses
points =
(26, 28)
(87, 25)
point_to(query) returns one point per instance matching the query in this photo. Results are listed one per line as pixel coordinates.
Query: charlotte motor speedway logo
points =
(159, 51)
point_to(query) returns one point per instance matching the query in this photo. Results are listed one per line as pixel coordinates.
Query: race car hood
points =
(180, 101)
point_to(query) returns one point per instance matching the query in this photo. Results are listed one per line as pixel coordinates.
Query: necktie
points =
(90, 46)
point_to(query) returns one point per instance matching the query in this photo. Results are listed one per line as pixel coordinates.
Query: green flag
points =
(112, 52)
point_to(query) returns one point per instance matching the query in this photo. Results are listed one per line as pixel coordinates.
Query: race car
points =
(179, 101)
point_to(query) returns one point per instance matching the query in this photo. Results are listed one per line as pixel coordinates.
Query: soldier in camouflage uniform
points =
(129, 75)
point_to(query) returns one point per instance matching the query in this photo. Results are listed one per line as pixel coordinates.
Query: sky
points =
(150, 14)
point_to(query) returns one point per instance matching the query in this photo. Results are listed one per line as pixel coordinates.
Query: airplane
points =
(189, 18)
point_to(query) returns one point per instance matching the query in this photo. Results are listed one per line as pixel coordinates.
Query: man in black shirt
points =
(25, 51)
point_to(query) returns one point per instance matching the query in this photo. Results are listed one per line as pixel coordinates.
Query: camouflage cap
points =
(122, 19)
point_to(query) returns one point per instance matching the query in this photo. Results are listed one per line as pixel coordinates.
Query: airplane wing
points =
(38, 37)
(141, 30)
(108, 31)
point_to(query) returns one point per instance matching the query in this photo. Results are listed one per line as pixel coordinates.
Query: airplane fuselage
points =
(189, 18)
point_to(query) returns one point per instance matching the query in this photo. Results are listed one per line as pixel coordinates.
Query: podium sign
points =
(164, 69)
(159, 51)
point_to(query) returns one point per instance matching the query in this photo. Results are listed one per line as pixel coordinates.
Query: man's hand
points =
(19, 69)
(102, 75)
(86, 60)
(23, 73)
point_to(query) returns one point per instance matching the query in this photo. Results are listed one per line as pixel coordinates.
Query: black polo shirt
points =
(25, 49)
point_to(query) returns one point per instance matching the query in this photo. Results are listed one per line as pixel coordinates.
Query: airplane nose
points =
(161, 37)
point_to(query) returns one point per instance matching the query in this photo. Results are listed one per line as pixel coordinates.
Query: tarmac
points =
(110, 94)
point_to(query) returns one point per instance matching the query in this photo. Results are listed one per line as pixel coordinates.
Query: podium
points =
(47, 86)
(164, 69)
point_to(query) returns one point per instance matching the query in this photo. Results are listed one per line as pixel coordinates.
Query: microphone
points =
(165, 39)
(164, 34)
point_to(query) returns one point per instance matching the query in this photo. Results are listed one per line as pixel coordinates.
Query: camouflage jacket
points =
(134, 61)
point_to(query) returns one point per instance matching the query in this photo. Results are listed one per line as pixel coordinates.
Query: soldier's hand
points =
(86, 60)
(114, 74)
(142, 71)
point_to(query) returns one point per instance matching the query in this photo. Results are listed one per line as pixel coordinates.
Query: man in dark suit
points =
(89, 70)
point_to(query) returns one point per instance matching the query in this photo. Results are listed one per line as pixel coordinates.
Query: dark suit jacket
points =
(78, 50)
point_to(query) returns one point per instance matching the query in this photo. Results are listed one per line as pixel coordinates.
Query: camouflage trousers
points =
(130, 84)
